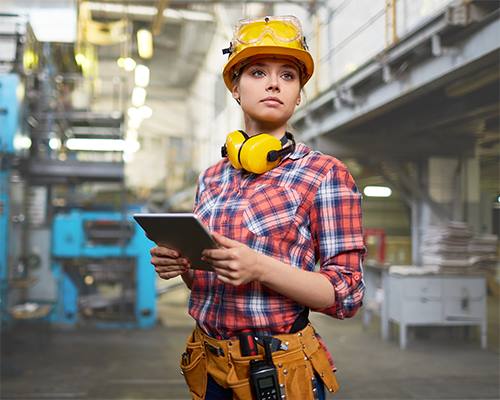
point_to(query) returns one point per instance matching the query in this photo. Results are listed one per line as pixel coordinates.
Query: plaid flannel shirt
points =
(305, 211)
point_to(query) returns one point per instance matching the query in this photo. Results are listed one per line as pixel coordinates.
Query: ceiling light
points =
(138, 96)
(128, 158)
(21, 142)
(131, 134)
(145, 43)
(141, 76)
(131, 146)
(133, 112)
(149, 10)
(377, 191)
(134, 123)
(80, 58)
(95, 144)
(129, 64)
(145, 112)
(55, 143)
(120, 62)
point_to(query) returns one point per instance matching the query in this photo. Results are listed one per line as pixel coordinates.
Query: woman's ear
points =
(298, 99)
(236, 92)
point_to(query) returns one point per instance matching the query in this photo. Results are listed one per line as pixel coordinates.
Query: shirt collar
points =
(300, 151)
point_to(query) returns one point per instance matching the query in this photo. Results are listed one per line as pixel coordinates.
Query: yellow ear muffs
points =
(231, 149)
(257, 154)
(253, 154)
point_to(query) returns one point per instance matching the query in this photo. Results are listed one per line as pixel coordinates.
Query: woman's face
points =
(269, 91)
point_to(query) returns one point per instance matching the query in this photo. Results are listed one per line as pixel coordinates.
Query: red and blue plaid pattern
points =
(305, 211)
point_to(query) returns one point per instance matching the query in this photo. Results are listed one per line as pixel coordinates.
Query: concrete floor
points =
(143, 364)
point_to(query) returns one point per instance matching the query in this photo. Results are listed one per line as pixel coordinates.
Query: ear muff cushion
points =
(234, 140)
(253, 154)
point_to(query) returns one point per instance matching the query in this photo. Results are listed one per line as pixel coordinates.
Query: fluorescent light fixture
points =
(145, 43)
(129, 64)
(141, 76)
(145, 112)
(377, 191)
(76, 144)
(149, 10)
(138, 96)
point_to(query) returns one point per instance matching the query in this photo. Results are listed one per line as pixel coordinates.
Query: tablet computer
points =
(182, 232)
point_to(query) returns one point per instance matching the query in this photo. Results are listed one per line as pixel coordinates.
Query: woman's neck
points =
(252, 128)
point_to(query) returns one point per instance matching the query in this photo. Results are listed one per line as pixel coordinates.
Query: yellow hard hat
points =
(279, 37)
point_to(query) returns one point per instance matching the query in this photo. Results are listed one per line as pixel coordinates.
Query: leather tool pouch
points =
(195, 372)
(295, 366)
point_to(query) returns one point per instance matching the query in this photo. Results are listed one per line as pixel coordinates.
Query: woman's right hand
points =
(167, 262)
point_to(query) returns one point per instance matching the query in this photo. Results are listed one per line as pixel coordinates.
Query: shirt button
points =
(280, 189)
(224, 219)
(216, 299)
(219, 337)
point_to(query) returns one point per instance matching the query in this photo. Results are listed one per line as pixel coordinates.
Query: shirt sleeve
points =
(338, 235)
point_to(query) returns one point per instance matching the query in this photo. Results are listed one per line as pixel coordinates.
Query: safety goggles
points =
(284, 29)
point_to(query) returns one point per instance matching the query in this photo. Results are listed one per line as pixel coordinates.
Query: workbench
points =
(433, 300)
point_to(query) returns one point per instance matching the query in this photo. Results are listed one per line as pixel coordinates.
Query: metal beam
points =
(419, 192)
(71, 171)
(419, 79)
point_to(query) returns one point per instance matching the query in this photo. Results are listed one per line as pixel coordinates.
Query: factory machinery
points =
(63, 258)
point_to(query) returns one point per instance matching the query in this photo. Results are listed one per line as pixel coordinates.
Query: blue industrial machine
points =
(83, 267)
(105, 275)
(13, 145)
(12, 137)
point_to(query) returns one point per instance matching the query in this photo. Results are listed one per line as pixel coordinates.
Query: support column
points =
(444, 185)
(471, 193)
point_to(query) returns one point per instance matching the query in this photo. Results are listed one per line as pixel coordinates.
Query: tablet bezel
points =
(182, 232)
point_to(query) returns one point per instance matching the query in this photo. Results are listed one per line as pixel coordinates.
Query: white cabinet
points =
(423, 300)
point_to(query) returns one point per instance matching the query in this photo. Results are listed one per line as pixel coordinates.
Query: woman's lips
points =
(271, 100)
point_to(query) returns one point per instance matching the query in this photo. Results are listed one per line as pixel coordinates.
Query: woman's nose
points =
(273, 84)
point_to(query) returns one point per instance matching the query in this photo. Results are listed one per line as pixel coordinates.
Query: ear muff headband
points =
(257, 154)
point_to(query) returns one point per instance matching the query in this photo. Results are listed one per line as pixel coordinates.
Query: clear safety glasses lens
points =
(284, 29)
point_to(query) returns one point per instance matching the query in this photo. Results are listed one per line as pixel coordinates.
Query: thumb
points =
(224, 241)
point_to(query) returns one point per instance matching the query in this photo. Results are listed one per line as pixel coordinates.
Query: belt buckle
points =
(218, 351)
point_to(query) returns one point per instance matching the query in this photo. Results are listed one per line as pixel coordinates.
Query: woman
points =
(276, 209)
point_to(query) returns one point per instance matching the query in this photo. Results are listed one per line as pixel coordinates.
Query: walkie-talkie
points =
(263, 376)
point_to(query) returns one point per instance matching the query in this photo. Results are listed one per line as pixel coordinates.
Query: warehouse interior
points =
(109, 108)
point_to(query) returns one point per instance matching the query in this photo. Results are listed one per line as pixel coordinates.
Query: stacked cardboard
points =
(445, 246)
(452, 248)
(483, 253)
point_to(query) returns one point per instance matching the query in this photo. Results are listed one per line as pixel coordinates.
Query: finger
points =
(224, 241)
(162, 251)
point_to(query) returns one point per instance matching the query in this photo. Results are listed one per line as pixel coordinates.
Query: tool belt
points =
(222, 359)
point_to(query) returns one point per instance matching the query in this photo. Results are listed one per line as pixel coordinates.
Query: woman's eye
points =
(288, 76)
(258, 73)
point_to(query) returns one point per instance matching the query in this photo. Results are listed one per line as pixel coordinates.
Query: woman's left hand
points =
(234, 263)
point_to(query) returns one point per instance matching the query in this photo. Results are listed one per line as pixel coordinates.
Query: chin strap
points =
(275, 154)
